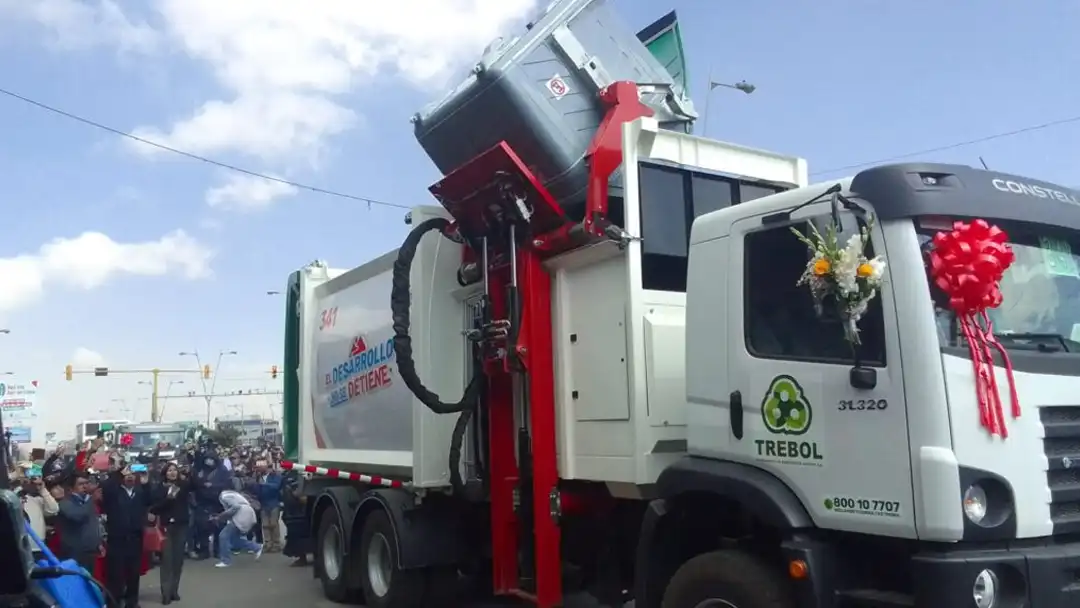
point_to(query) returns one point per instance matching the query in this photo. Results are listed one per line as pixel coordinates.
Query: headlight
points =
(975, 503)
(984, 591)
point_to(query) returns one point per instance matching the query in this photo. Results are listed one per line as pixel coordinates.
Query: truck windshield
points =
(1041, 290)
(149, 440)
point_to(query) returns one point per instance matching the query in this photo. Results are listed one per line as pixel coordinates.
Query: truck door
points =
(843, 450)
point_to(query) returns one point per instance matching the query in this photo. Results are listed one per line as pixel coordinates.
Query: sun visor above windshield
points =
(914, 189)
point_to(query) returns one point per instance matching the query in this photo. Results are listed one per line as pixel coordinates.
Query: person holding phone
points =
(125, 501)
(171, 506)
(55, 463)
(37, 502)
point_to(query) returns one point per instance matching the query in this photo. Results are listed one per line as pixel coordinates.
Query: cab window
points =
(671, 197)
(781, 321)
(1040, 291)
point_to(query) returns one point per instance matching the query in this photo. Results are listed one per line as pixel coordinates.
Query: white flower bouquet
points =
(843, 275)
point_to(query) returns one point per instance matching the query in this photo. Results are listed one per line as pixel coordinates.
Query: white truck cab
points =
(888, 491)
(147, 436)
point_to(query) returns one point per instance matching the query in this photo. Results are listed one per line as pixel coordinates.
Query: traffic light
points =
(273, 372)
(206, 371)
(68, 372)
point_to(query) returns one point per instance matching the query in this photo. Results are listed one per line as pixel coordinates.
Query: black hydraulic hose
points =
(400, 302)
(457, 439)
(461, 427)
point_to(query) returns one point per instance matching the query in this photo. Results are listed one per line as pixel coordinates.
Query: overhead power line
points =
(370, 201)
(191, 155)
(953, 146)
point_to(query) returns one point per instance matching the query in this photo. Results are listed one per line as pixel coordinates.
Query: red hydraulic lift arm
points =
(503, 209)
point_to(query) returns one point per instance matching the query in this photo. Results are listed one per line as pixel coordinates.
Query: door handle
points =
(735, 408)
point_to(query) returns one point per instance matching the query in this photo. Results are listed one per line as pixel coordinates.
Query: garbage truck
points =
(146, 437)
(89, 429)
(621, 359)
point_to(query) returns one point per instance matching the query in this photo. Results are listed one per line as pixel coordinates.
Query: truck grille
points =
(1061, 443)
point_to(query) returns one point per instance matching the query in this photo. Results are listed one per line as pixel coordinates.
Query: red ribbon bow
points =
(967, 265)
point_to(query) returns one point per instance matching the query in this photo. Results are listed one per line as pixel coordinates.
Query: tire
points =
(333, 564)
(385, 584)
(740, 579)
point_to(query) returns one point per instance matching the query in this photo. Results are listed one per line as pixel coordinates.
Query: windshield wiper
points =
(1042, 342)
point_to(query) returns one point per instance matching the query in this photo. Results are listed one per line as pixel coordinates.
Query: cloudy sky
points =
(122, 253)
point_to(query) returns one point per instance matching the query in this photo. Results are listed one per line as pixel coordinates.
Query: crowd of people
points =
(119, 519)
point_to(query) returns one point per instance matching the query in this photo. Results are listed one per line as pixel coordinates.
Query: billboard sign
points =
(17, 396)
(20, 434)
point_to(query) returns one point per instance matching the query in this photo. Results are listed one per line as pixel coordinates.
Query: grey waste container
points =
(538, 92)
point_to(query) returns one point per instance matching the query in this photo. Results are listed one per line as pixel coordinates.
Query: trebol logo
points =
(1015, 187)
(786, 410)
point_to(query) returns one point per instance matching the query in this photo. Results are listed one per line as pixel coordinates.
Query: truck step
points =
(872, 598)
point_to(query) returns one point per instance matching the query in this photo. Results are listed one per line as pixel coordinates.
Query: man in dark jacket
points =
(298, 539)
(125, 503)
(80, 527)
(210, 479)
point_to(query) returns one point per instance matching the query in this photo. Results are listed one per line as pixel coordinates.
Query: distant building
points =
(252, 428)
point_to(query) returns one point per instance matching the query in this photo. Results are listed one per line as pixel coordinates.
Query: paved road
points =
(250, 584)
(247, 584)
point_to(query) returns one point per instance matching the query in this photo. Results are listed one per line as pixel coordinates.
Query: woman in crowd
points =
(170, 504)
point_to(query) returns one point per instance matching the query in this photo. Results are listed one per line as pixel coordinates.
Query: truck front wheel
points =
(332, 560)
(727, 579)
(385, 584)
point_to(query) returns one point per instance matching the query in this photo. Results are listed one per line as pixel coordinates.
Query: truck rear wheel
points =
(332, 560)
(727, 579)
(385, 584)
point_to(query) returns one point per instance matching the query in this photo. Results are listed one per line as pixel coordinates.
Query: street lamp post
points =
(153, 399)
(742, 85)
(239, 407)
(168, 393)
(216, 372)
(125, 411)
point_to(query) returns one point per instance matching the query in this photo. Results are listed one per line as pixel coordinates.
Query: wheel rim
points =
(331, 553)
(379, 565)
(715, 603)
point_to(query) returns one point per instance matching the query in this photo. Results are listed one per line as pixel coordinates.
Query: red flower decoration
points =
(126, 439)
(967, 265)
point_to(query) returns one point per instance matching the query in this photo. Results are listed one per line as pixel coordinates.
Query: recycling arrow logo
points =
(785, 408)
